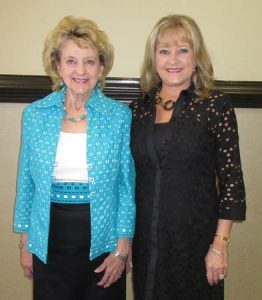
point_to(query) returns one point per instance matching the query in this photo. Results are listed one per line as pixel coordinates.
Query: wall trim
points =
(28, 88)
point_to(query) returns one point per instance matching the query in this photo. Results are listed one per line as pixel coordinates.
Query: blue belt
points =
(70, 192)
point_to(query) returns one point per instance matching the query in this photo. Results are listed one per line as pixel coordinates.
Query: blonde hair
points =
(189, 30)
(84, 33)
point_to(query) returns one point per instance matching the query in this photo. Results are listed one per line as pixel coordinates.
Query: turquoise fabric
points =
(110, 170)
(70, 193)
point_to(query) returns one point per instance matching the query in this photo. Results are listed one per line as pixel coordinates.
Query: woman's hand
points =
(115, 263)
(217, 262)
(129, 263)
(26, 257)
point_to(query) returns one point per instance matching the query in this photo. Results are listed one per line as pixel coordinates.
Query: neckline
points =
(162, 123)
(72, 133)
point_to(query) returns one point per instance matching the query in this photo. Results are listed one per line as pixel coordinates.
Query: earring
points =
(99, 84)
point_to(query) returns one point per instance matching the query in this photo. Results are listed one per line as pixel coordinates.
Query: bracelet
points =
(120, 256)
(21, 245)
(222, 237)
(218, 251)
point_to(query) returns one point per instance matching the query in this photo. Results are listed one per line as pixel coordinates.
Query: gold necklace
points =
(168, 105)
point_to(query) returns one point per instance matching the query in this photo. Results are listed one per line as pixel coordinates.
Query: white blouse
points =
(70, 163)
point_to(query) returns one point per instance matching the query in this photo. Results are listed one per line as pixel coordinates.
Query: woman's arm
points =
(126, 183)
(26, 257)
(25, 185)
(115, 263)
(232, 204)
(217, 256)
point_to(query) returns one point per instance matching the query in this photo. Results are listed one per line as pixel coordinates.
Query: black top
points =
(181, 194)
(162, 135)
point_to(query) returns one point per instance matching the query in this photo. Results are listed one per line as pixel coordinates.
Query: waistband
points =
(70, 192)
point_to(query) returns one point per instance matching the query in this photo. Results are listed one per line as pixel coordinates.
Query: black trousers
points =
(69, 274)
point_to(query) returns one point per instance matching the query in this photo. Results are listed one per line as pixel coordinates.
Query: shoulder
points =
(117, 104)
(219, 109)
(143, 108)
(215, 103)
(54, 98)
(135, 104)
(145, 101)
(218, 98)
(137, 107)
(116, 107)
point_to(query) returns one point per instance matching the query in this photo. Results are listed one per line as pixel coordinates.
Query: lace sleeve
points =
(228, 163)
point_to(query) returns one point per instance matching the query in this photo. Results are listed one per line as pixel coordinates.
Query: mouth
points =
(80, 80)
(174, 70)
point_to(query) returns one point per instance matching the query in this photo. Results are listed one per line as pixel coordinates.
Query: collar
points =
(96, 100)
(187, 94)
(54, 99)
(190, 91)
(98, 103)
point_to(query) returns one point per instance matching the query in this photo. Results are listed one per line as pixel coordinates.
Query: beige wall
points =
(232, 31)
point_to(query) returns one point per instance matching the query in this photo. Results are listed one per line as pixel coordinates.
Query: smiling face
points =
(80, 68)
(175, 60)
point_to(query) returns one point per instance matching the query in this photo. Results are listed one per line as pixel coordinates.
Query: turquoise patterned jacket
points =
(110, 171)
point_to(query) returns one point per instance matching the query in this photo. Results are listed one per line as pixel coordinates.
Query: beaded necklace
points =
(72, 119)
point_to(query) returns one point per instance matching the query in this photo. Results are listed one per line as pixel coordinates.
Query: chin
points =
(81, 91)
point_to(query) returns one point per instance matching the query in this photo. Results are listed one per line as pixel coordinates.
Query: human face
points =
(80, 68)
(175, 62)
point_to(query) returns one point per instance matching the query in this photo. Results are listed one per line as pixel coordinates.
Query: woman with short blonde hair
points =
(84, 33)
(75, 189)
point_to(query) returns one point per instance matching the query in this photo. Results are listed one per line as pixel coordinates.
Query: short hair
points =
(187, 28)
(84, 33)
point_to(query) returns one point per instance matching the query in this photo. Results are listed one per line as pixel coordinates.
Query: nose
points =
(80, 69)
(173, 58)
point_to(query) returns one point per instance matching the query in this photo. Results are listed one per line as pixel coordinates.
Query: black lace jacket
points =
(180, 200)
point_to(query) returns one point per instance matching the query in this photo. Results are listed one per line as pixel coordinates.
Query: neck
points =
(170, 92)
(75, 101)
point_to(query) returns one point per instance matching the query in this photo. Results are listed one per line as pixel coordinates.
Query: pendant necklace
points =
(168, 105)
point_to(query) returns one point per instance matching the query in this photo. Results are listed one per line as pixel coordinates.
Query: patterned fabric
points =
(110, 170)
(70, 192)
(177, 198)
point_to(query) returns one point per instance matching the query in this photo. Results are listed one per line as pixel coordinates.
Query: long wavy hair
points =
(84, 33)
(183, 27)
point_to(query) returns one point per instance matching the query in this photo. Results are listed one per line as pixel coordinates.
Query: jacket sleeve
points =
(126, 184)
(25, 185)
(229, 172)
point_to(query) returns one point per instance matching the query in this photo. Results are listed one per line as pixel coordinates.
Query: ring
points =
(221, 276)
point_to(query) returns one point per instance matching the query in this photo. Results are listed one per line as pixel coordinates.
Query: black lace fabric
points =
(181, 197)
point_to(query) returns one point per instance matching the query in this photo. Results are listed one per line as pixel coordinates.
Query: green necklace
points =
(72, 119)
